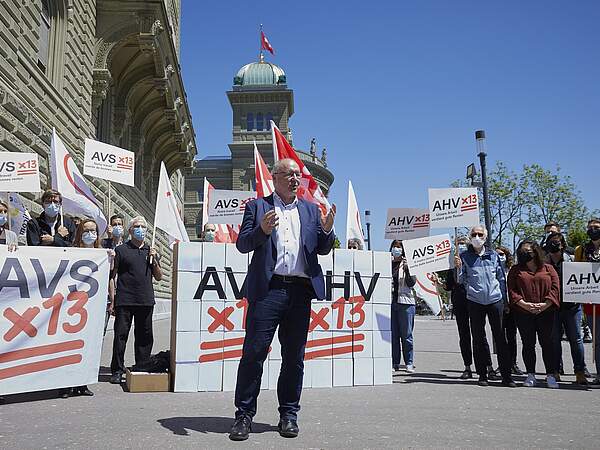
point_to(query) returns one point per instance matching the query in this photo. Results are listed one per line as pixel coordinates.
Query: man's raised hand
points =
(327, 221)
(269, 222)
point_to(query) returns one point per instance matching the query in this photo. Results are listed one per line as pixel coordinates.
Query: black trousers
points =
(142, 332)
(509, 325)
(478, 314)
(286, 305)
(461, 312)
(540, 325)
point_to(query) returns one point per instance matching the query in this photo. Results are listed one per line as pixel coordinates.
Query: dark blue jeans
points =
(286, 305)
(571, 319)
(403, 322)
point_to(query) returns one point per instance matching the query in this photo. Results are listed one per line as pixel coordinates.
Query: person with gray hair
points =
(355, 244)
(480, 271)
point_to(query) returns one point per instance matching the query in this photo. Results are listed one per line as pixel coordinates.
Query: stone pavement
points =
(430, 408)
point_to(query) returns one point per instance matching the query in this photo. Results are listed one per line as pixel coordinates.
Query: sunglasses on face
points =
(476, 234)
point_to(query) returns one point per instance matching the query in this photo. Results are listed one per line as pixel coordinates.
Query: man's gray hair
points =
(478, 227)
(137, 219)
(280, 164)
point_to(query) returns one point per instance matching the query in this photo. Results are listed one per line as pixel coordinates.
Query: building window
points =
(51, 43)
(250, 122)
(260, 122)
(268, 119)
(44, 43)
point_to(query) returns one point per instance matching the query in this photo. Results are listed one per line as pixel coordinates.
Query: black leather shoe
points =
(288, 428)
(64, 393)
(116, 377)
(483, 381)
(508, 382)
(241, 428)
(84, 390)
(515, 370)
(466, 374)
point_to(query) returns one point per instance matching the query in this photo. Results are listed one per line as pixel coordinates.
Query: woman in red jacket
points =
(534, 292)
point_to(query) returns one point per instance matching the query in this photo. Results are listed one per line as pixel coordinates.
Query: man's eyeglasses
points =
(289, 175)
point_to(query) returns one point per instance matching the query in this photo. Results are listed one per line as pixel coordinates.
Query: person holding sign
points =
(480, 270)
(590, 252)
(51, 228)
(7, 237)
(534, 292)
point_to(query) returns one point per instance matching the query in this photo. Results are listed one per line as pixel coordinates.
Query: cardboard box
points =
(147, 382)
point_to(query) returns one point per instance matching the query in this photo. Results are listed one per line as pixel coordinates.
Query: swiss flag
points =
(265, 44)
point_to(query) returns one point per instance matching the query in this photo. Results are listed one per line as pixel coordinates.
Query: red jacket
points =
(533, 287)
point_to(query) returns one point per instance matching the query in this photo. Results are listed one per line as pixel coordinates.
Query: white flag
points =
(426, 289)
(19, 215)
(353, 226)
(67, 179)
(168, 217)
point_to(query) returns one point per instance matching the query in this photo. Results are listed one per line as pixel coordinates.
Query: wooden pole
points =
(594, 334)
(109, 199)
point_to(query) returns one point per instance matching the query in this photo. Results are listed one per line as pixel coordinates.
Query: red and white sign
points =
(227, 207)
(108, 162)
(407, 223)
(167, 216)
(581, 282)
(454, 207)
(52, 309)
(225, 232)
(19, 172)
(429, 254)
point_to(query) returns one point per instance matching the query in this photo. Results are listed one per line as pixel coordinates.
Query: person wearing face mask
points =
(114, 239)
(354, 244)
(50, 228)
(209, 232)
(553, 227)
(480, 271)
(7, 237)
(134, 267)
(590, 252)
(403, 309)
(534, 291)
(568, 315)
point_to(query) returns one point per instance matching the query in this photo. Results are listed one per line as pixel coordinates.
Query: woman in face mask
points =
(7, 237)
(590, 252)
(403, 309)
(569, 315)
(534, 291)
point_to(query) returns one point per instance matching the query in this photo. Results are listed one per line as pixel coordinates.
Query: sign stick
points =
(8, 206)
(61, 217)
(109, 198)
(593, 329)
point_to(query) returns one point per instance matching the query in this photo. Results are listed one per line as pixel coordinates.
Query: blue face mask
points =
(117, 231)
(3, 219)
(52, 209)
(396, 252)
(139, 233)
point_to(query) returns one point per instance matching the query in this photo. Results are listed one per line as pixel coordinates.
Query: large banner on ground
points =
(227, 207)
(429, 254)
(52, 309)
(349, 337)
(454, 207)
(407, 223)
(581, 282)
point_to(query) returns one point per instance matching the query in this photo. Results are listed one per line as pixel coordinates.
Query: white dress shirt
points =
(290, 257)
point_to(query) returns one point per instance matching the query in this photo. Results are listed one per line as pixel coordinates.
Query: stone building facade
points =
(259, 94)
(102, 69)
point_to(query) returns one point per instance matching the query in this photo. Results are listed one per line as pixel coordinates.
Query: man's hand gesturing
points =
(327, 221)
(269, 222)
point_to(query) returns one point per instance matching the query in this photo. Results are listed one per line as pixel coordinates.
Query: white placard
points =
(454, 207)
(52, 309)
(407, 223)
(429, 254)
(19, 172)
(227, 207)
(581, 282)
(109, 162)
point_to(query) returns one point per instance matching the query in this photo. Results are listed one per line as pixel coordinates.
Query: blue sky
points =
(396, 89)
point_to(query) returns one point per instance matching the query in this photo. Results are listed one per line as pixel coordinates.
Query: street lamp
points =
(368, 223)
(471, 172)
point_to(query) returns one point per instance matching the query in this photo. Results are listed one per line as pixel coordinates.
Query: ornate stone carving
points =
(169, 70)
(100, 86)
(161, 85)
(170, 115)
(324, 157)
(178, 102)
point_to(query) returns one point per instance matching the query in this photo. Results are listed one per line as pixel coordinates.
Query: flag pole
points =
(260, 54)
(62, 222)
(8, 208)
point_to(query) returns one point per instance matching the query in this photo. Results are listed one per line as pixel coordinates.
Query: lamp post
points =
(472, 172)
(368, 223)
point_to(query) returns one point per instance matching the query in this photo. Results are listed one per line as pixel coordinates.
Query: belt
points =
(290, 279)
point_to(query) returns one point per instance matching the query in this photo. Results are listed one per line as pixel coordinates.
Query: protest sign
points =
(227, 207)
(407, 223)
(52, 309)
(429, 254)
(108, 162)
(19, 215)
(581, 282)
(19, 172)
(453, 207)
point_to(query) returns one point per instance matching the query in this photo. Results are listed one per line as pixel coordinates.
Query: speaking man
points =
(286, 234)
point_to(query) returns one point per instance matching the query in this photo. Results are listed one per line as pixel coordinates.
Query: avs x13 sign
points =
(581, 282)
(429, 254)
(455, 207)
(407, 223)
(52, 306)
(108, 162)
(19, 172)
(227, 207)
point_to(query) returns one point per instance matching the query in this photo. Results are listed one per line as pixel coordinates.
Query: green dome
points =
(260, 74)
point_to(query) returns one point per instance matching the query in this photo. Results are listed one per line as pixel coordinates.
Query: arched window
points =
(44, 42)
(260, 122)
(268, 119)
(51, 42)
(249, 122)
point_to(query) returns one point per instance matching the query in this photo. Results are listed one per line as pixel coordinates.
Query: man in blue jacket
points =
(286, 234)
(482, 275)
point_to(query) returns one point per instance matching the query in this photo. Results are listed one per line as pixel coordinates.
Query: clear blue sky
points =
(396, 89)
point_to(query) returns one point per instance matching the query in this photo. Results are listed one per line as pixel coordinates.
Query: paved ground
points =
(431, 408)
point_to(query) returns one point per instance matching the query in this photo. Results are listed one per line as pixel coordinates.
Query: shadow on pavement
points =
(222, 425)
(26, 397)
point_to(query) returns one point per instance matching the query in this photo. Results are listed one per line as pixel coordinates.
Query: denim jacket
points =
(483, 277)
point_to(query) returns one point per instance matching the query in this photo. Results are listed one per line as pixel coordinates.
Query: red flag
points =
(264, 180)
(265, 44)
(309, 189)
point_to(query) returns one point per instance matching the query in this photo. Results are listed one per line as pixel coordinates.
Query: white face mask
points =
(477, 241)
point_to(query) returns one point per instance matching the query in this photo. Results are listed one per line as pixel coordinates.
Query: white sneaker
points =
(551, 382)
(530, 381)
(410, 368)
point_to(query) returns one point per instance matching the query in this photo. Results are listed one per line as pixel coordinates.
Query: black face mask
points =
(525, 257)
(593, 233)
(553, 247)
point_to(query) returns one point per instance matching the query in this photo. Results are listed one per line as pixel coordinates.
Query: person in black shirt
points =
(134, 266)
(115, 238)
(50, 228)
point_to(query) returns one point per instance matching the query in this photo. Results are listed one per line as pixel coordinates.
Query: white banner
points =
(453, 207)
(581, 282)
(407, 223)
(429, 254)
(19, 214)
(19, 172)
(227, 207)
(353, 225)
(108, 162)
(52, 309)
